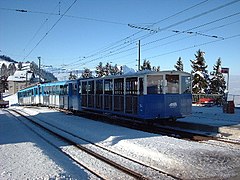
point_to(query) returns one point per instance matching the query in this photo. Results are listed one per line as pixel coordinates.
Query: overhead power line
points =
(41, 26)
(50, 30)
(116, 44)
(194, 46)
(65, 15)
(165, 28)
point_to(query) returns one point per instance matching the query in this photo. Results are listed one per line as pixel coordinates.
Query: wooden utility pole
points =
(39, 68)
(139, 54)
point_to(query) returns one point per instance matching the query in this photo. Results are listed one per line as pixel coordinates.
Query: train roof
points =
(142, 73)
(136, 74)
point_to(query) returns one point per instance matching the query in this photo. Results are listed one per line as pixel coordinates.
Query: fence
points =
(218, 98)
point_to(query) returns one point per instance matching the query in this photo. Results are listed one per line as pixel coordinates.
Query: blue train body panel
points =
(164, 106)
(143, 95)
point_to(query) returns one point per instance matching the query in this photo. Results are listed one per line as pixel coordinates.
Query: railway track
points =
(156, 128)
(126, 167)
(152, 127)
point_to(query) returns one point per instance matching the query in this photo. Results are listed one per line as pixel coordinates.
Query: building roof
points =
(20, 76)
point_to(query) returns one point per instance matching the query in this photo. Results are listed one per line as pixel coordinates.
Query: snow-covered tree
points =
(200, 75)
(99, 70)
(114, 70)
(3, 71)
(146, 65)
(106, 70)
(72, 76)
(154, 68)
(87, 73)
(20, 65)
(179, 64)
(11, 69)
(218, 83)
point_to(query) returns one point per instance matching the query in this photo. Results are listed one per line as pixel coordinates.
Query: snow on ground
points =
(24, 155)
(185, 159)
(213, 116)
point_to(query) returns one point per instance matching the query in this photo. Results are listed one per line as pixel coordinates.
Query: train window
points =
(74, 88)
(132, 85)
(90, 87)
(58, 90)
(118, 86)
(61, 90)
(51, 89)
(84, 87)
(99, 87)
(186, 84)
(141, 86)
(80, 88)
(155, 84)
(65, 89)
(35, 91)
(108, 86)
(172, 83)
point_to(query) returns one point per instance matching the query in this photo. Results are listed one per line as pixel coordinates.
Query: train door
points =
(61, 96)
(75, 96)
(172, 99)
(65, 96)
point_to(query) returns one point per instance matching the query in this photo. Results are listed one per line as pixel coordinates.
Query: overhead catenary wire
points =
(196, 33)
(116, 49)
(50, 29)
(114, 45)
(170, 42)
(177, 23)
(38, 30)
(194, 46)
(65, 15)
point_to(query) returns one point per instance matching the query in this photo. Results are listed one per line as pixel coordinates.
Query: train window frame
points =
(119, 86)
(65, 89)
(186, 84)
(132, 85)
(84, 87)
(90, 87)
(155, 84)
(173, 83)
(99, 86)
(74, 88)
(108, 86)
(61, 87)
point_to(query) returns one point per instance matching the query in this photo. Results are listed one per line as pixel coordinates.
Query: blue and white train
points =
(143, 95)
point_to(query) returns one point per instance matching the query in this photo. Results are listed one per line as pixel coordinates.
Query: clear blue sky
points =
(92, 31)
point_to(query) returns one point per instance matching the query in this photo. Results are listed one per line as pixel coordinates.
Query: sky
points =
(77, 34)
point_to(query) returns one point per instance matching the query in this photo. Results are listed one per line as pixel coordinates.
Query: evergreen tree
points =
(200, 75)
(87, 73)
(179, 65)
(72, 76)
(154, 68)
(4, 71)
(146, 65)
(99, 70)
(106, 70)
(115, 70)
(20, 65)
(218, 84)
(11, 69)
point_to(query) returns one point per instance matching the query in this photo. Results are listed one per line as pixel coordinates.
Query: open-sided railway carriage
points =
(143, 95)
